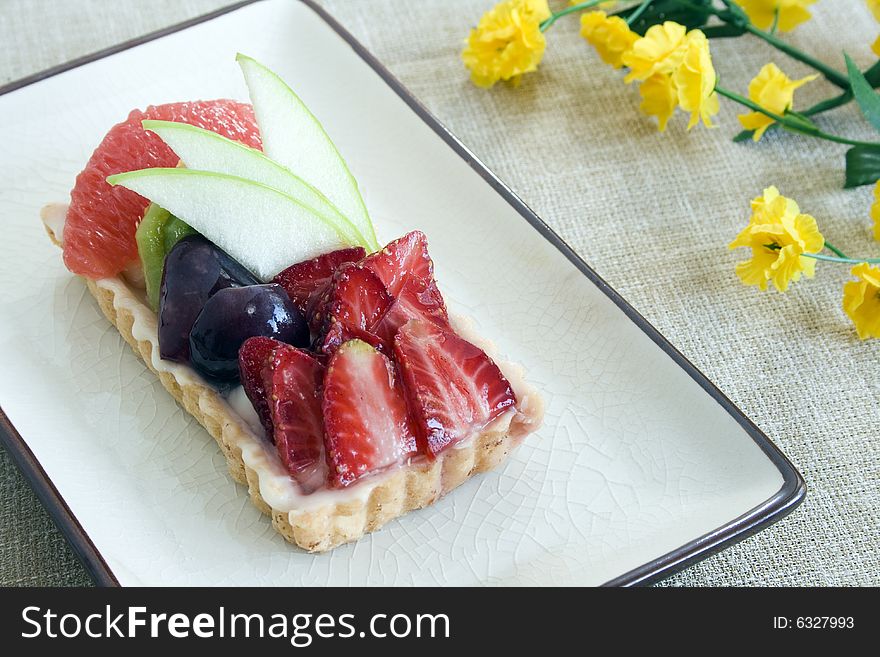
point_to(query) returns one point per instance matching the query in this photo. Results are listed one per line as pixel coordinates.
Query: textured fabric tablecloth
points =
(652, 213)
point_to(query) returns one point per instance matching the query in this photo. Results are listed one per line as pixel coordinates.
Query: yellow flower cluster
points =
(609, 35)
(774, 91)
(861, 300)
(674, 65)
(778, 234)
(675, 68)
(791, 13)
(507, 42)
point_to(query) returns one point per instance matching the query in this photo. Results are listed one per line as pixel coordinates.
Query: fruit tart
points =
(230, 245)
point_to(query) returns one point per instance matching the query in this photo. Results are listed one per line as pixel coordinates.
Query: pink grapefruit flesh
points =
(99, 234)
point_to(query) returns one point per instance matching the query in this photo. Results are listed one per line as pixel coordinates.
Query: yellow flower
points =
(659, 98)
(507, 43)
(659, 51)
(610, 36)
(861, 300)
(791, 12)
(874, 6)
(778, 233)
(774, 91)
(695, 80)
(676, 67)
(875, 211)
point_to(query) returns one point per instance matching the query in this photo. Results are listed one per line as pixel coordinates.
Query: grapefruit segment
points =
(99, 233)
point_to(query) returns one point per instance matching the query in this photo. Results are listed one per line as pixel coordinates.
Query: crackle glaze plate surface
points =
(642, 466)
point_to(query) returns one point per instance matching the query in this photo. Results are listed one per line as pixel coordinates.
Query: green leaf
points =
(862, 166)
(872, 75)
(670, 10)
(723, 31)
(866, 97)
(831, 103)
(745, 135)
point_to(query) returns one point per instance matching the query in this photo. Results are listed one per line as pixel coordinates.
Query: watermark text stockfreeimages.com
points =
(299, 629)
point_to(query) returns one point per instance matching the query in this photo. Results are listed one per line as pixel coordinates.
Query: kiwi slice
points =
(157, 233)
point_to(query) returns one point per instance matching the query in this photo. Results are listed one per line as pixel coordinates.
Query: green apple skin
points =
(262, 228)
(205, 150)
(293, 137)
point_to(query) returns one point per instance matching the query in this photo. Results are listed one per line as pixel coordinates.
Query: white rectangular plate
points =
(642, 466)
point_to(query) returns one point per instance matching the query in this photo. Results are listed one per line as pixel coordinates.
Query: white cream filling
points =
(276, 486)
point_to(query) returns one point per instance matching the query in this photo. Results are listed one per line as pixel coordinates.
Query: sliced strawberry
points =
(292, 379)
(253, 356)
(356, 301)
(339, 333)
(367, 427)
(417, 300)
(453, 388)
(401, 259)
(316, 315)
(306, 281)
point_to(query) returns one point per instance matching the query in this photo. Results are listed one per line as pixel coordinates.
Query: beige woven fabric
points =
(652, 213)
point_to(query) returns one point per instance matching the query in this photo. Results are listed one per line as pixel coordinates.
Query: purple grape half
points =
(234, 314)
(195, 269)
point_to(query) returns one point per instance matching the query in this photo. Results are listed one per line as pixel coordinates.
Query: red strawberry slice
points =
(401, 259)
(453, 388)
(253, 356)
(356, 301)
(417, 300)
(339, 333)
(306, 281)
(292, 378)
(367, 427)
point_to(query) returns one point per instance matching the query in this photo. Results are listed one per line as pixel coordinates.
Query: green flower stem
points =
(833, 76)
(633, 17)
(845, 261)
(547, 24)
(835, 250)
(818, 108)
(791, 124)
(841, 257)
(775, 20)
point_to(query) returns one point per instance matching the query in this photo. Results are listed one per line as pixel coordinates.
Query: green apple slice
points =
(294, 138)
(262, 228)
(205, 150)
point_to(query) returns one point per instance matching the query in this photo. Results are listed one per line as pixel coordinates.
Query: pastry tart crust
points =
(319, 528)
